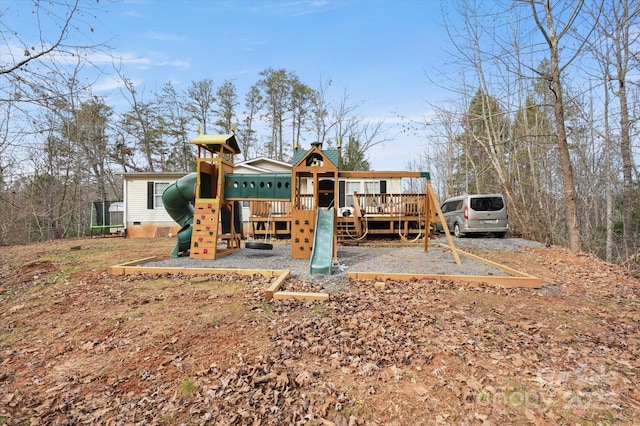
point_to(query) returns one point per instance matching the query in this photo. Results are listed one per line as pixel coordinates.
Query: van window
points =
(487, 204)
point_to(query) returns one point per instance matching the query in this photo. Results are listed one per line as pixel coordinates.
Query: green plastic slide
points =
(178, 201)
(322, 253)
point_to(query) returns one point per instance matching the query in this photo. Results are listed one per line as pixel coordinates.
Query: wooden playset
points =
(207, 204)
(301, 204)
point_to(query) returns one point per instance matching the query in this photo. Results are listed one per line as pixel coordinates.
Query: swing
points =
(366, 218)
(366, 225)
(257, 245)
(405, 239)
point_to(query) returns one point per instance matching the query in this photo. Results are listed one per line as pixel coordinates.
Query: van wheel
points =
(499, 234)
(456, 230)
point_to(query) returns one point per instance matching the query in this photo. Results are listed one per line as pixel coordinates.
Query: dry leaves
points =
(147, 349)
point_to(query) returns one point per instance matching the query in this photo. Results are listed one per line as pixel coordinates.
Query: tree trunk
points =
(627, 161)
(607, 169)
(573, 227)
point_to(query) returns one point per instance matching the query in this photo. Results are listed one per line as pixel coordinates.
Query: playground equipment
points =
(323, 243)
(177, 199)
(107, 218)
(266, 244)
(206, 204)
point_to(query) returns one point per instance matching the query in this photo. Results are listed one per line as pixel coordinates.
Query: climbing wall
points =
(303, 223)
(204, 239)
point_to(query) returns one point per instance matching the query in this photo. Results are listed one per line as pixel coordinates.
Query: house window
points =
(154, 194)
(353, 188)
(158, 191)
(372, 187)
(350, 189)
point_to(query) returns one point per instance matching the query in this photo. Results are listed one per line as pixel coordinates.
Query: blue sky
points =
(379, 52)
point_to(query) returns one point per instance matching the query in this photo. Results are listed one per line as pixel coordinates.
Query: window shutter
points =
(383, 186)
(150, 195)
(341, 194)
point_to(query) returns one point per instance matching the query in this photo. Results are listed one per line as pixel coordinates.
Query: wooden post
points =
(434, 200)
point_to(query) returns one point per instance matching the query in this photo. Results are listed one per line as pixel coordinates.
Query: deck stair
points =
(347, 231)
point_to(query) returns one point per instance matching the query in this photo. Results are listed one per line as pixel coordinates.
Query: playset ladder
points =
(207, 242)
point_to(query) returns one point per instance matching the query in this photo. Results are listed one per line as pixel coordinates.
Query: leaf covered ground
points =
(81, 346)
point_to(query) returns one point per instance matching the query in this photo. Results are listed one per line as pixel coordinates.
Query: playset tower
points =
(214, 231)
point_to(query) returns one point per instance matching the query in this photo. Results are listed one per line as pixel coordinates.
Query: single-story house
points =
(145, 216)
(144, 213)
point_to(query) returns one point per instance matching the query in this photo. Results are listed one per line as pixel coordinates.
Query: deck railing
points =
(306, 201)
(369, 204)
(270, 208)
(391, 204)
(278, 208)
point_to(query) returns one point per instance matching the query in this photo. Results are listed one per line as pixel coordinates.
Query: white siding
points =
(272, 167)
(136, 200)
(394, 186)
(136, 203)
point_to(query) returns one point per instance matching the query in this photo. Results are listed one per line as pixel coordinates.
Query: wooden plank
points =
(139, 261)
(492, 263)
(281, 295)
(502, 281)
(120, 269)
(275, 286)
(194, 271)
(226, 252)
(435, 202)
(378, 174)
(357, 215)
(116, 270)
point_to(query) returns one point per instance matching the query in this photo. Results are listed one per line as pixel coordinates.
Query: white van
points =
(476, 214)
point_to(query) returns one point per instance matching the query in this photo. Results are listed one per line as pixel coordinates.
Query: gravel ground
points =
(387, 258)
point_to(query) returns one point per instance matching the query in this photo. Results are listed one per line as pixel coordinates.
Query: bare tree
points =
(367, 134)
(201, 102)
(301, 106)
(26, 41)
(87, 129)
(485, 123)
(247, 134)
(616, 25)
(227, 103)
(140, 130)
(275, 88)
(55, 197)
(441, 150)
(174, 121)
(546, 19)
(319, 125)
(342, 117)
(41, 41)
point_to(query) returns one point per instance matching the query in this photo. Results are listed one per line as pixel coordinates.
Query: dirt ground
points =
(81, 346)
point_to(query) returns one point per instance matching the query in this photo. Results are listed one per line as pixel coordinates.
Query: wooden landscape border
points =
(134, 267)
(273, 292)
(513, 280)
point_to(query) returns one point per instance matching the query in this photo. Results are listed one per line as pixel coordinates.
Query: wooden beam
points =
(432, 195)
(497, 265)
(120, 269)
(281, 295)
(378, 174)
(133, 269)
(502, 281)
(226, 252)
(275, 286)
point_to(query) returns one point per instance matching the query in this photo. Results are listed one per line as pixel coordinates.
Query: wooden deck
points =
(401, 215)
